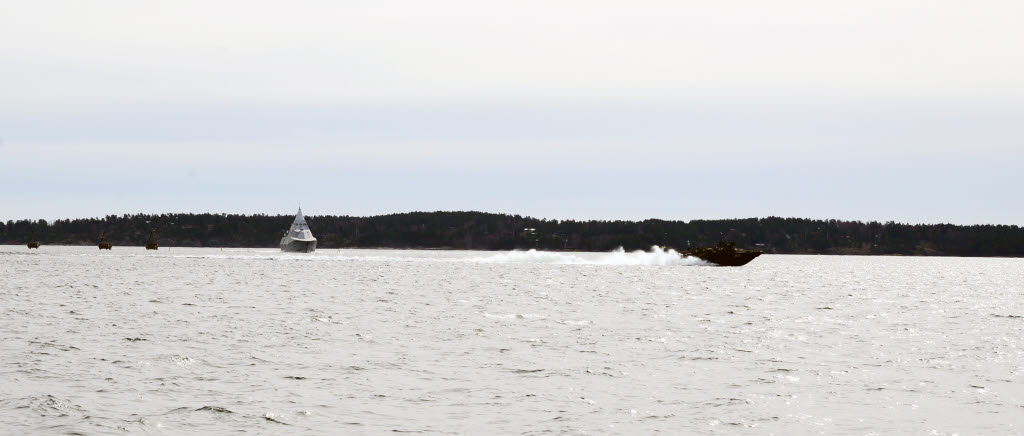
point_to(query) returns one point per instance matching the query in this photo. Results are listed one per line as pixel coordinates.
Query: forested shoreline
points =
(491, 231)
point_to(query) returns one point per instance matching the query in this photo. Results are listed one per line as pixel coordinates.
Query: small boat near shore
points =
(724, 254)
(151, 242)
(32, 242)
(298, 239)
(104, 243)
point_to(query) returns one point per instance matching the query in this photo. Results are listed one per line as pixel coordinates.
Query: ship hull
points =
(737, 258)
(289, 245)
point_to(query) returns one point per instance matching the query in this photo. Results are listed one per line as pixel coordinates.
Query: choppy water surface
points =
(371, 341)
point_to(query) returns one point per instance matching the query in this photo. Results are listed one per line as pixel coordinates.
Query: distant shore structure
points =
(104, 244)
(32, 242)
(298, 239)
(151, 242)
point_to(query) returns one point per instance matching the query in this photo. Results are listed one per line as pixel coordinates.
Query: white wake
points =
(656, 256)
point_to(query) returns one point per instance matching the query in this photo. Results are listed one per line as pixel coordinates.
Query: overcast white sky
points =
(887, 110)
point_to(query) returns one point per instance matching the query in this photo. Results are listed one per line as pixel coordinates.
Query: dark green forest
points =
(490, 231)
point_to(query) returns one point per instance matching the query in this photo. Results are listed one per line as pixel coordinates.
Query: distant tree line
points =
(489, 231)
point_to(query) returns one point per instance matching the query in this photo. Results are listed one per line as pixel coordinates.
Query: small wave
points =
(182, 361)
(515, 316)
(48, 405)
(656, 256)
(215, 409)
(271, 417)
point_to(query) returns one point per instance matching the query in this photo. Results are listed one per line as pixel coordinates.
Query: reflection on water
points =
(369, 341)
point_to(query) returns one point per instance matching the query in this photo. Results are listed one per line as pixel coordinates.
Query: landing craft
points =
(724, 254)
(298, 239)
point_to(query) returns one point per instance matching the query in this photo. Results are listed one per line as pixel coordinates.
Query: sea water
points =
(180, 341)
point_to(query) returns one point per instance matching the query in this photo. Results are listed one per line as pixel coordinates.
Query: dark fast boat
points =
(104, 244)
(151, 242)
(724, 254)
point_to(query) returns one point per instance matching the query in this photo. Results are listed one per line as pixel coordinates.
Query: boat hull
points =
(289, 245)
(737, 258)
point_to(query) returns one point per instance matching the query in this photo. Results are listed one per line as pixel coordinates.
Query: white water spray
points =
(656, 256)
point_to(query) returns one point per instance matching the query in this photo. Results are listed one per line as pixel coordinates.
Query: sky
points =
(911, 111)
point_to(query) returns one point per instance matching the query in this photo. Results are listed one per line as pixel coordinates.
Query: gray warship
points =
(298, 239)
